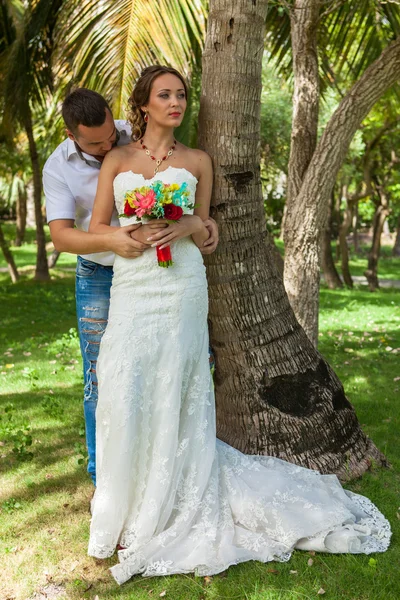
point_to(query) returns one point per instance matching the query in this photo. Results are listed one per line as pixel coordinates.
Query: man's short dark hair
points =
(84, 107)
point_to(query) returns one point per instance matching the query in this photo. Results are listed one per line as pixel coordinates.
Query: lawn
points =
(44, 492)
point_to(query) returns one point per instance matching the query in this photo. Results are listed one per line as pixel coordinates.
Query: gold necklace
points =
(158, 161)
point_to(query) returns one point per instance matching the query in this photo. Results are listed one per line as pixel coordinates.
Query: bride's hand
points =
(144, 231)
(186, 226)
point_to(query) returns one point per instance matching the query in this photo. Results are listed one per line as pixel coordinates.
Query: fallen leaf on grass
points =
(396, 379)
(207, 580)
(164, 593)
(49, 476)
(321, 591)
(96, 598)
(27, 353)
(310, 562)
(74, 565)
(273, 571)
(293, 572)
(10, 366)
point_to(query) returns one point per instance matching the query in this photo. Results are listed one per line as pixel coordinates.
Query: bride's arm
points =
(104, 201)
(203, 197)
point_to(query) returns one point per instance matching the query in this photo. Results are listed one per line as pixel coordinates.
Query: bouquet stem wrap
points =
(164, 256)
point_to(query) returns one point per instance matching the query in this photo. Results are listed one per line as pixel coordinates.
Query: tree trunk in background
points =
(396, 247)
(12, 268)
(355, 227)
(30, 205)
(275, 394)
(343, 233)
(302, 248)
(381, 213)
(42, 270)
(331, 275)
(21, 210)
(304, 27)
(53, 258)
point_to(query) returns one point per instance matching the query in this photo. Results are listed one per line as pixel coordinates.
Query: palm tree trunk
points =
(331, 275)
(304, 26)
(275, 394)
(302, 248)
(21, 210)
(53, 258)
(12, 268)
(42, 270)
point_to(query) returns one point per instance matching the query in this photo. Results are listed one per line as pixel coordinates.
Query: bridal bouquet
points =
(158, 201)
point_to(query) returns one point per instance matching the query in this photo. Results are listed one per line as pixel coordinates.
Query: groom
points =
(70, 181)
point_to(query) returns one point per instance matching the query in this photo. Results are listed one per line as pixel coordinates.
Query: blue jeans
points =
(93, 283)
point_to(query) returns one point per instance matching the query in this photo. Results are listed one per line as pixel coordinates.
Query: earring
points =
(146, 117)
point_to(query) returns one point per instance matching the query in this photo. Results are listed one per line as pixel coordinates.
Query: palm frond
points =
(350, 37)
(106, 45)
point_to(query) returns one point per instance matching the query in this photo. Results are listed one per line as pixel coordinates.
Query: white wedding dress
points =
(176, 498)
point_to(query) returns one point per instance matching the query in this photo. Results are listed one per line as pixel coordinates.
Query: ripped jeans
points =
(93, 283)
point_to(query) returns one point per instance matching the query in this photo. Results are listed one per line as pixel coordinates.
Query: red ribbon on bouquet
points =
(164, 256)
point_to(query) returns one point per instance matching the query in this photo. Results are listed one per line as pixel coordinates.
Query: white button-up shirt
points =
(70, 186)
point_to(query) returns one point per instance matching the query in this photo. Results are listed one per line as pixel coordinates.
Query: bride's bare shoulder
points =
(118, 155)
(198, 160)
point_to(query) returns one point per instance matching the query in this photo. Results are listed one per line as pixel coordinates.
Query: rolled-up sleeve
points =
(60, 203)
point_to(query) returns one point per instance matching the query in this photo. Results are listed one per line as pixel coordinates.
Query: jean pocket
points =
(85, 268)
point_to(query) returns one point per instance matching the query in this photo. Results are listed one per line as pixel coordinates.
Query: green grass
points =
(24, 256)
(44, 520)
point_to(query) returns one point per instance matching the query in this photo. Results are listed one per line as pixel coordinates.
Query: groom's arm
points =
(60, 208)
(68, 239)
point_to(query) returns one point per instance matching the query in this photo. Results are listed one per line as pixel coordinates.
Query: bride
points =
(170, 496)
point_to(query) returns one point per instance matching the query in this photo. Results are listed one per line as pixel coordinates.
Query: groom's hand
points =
(210, 245)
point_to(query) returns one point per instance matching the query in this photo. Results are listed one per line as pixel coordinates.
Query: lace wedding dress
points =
(173, 496)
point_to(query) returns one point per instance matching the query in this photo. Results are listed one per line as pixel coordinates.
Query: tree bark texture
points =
(381, 213)
(331, 275)
(396, 247)
(343, 233)
(309, 212)
(42, 270)
(53, 258)
(21, 211)
(304, 27)
(275, 394)
(12, 268)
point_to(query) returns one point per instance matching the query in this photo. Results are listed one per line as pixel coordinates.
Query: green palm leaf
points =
(106, 45)
(350, 37)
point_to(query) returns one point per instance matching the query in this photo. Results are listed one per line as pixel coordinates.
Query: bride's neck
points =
(158, 139)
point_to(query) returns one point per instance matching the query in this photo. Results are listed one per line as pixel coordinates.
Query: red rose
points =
(172, 212)
(129, 211)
